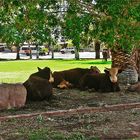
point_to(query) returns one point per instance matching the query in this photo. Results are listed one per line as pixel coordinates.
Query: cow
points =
(70, 78)
(134, 87)
(102, 82)
(38, 89)
(39, 85)
(44, 73)
(12, 95)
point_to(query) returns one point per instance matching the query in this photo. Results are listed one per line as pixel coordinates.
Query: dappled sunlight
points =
(14, 77)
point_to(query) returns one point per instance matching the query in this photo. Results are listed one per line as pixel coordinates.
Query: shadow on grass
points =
(97, 62)
(93, 62)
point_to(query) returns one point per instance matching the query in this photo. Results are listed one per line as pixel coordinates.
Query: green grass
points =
(44, 134)
(19, 71)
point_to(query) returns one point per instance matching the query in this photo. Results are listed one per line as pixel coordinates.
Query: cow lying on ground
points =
(39, 85)
(134, 87)
(44, 73)
(38, 89)
(12, 95)
(70, 78)
(103, 82)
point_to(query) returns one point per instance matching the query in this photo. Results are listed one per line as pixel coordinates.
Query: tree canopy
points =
(114, 22)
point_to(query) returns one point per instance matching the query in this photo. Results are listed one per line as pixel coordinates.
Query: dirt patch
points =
(115, 124)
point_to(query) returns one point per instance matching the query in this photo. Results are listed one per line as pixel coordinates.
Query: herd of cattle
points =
(39, 86)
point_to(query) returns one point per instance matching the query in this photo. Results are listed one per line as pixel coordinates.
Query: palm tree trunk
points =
(138, 63)
(136, 57)
(127, 63)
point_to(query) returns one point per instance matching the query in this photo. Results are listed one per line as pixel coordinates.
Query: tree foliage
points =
(115, 22)
(120, 27)
(27, 21)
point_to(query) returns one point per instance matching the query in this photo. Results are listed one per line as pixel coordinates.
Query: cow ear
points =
(39, 69)
(91, 67)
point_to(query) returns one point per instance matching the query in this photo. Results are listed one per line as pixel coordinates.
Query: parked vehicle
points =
(2, 47)
(68, 50)
(26, 50)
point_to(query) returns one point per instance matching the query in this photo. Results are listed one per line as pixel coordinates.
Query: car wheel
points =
(72, 52)
(62, 52)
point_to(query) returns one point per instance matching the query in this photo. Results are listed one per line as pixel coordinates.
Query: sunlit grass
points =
(19, 71)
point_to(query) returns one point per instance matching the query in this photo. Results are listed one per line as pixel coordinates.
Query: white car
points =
(67, 50)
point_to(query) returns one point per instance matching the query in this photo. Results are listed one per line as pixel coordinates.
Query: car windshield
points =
(25, 48)
(33, 48)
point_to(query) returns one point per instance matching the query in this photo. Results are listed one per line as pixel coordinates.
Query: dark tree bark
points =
(30, 54)
(138, 63)
(18, 49)
(136, 57)
(37, 54)
(52, 53)
(97, 50)
(77, 57)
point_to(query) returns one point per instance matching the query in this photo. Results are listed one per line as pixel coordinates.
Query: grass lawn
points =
(19, 71)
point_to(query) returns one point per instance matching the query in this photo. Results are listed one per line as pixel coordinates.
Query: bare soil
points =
(115, 124)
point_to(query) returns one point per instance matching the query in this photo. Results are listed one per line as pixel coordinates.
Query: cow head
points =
(113, 72)
(94, 70)
(46, 73)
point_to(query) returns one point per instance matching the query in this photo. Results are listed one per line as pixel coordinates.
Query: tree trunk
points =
(105, 54)
(77, 53)
(37, 54)
(51, 46)
(127, 63)
(52, 53)
(30, 52)
(97, 50)
(18, 49)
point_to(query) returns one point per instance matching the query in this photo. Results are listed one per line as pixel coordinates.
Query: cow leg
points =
(69, 85)
(64, 84)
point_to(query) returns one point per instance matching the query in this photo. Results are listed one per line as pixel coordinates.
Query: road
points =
(57, 55)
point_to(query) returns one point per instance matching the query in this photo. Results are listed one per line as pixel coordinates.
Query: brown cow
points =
(104, 82)
(12, 95)
(70, 78)
(39, 85)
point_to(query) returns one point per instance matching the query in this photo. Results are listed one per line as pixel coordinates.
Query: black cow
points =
(44, 73)
(102, 82)
(39, 85)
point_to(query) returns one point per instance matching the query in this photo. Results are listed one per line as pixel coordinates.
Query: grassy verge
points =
(18, 71)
